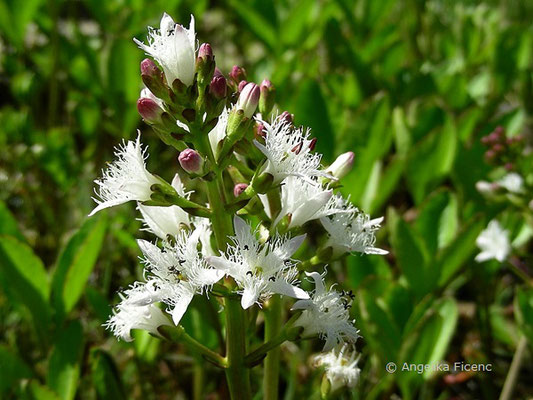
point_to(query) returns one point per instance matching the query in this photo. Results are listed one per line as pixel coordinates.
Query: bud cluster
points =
(502, 150)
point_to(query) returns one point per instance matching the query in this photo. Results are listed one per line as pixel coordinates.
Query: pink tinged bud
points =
(237, 74)
(205, 51)
(149, 68)
(149, 110)
(509, 166)
(266, 85)
(489, 155)
(342, 165)
(217, 72)
(239, 188)
(241, 86)
(248, 99)
(498, 148)
(287, 117)
(218, 87)
(191, 161)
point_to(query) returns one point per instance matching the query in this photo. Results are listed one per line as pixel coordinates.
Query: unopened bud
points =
(150, 110)
(489, 155)
(241, 86)
(239, 188)
(266, 102)
(149, 68)
(237, 74)
(153, 78)
(485, 187)
(205, 64)
(509, 166)
(342, 165)
(287, 117)
(248, 99)
(205, 51)
(191, 161)
(498, 148)
(218, 87)
(218, 72)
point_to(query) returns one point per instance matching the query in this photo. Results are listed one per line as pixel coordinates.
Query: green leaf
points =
(64, 365)
(36, 391)
(452, 257)
(76, 263)
(402, 136)
(256, 22)
(412, 257)
(8, 223)
(13, 369)
(431, 160)
(105, 376)
(311, 110)
(24, 278)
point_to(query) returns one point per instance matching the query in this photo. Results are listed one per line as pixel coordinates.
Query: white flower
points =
(513, 182)
(326, 314)
(341, 368)
(164, 221)
(288, 151)
(353, 231)
(218, 133)
(260, 270)
(126, 178)
(174, 273)
(174, 48)
(128, 316)
(304, 201)
(493, 242)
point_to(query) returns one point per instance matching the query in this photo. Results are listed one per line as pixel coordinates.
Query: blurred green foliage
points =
(409, 86)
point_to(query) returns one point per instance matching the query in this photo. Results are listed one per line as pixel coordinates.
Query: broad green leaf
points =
(24, 278)
(13, 369)
(310, 109)
(105, 376)
(452, 257)
(402, 136)
(8, 223)
(431, 160)
(146, 346)
(362, 267)
(388, 183)
(36, 391)
(295, 25)
(427, 222)
(64, 366)
(412, 258)
(76, 263)
(256, 22)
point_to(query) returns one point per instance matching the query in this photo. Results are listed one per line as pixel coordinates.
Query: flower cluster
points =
(243, 242)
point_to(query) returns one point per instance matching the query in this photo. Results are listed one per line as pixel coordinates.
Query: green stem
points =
(512, 375)
(272, 330)
(237, 373)
(198, 380)
(178, 335)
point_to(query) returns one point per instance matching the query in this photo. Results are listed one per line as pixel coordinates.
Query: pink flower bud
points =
(205, 51)
(191, 161)
(342, 165)
(268, 94)
(218, 72)
(149, 68)
(149, 110)
(248, 99)
(266, 85)
(218, 87)
(239, 188)
(237, 74)
(241, 86)
(287, 117)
